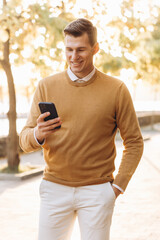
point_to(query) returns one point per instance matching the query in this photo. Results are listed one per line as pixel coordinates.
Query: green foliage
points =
(149, 59)
(108, 63)
(26, 27)
(138, 40)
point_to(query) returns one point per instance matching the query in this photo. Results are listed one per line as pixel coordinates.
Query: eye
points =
(82, 49)
(69, 50)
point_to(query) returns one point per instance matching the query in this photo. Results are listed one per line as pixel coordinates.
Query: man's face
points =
(79, 54)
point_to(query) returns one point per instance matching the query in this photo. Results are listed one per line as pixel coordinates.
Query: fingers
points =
(53, 121)
(49, 122)
(50, 125)
(46, 127)
(43, 116)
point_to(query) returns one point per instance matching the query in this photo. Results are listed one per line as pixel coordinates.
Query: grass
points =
(19, 169)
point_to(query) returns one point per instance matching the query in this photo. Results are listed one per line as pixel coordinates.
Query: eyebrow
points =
(77, 48)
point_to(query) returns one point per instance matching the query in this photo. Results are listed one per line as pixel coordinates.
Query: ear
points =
(95, 48)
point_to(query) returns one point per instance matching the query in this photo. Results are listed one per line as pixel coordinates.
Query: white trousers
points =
(93, 205)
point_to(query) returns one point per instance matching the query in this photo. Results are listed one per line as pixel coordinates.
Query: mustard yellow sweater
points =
(82, 151)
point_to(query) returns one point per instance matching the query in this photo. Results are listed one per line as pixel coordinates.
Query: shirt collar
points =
(73, 77)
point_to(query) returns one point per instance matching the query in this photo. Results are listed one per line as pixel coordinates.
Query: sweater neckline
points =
(76, 84)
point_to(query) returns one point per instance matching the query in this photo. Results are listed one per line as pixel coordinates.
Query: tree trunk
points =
(12, 141)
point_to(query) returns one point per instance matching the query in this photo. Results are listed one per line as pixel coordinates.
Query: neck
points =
(82, 75)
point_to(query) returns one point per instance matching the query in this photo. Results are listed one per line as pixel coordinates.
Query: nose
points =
(75, 55)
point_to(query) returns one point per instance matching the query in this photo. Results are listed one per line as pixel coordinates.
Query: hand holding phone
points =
(49, 107)
(44, 127)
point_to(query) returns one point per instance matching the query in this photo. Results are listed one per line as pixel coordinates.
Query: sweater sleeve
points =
(27, 140)
(128, 125)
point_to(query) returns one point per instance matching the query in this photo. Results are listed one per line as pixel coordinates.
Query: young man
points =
(78, 177)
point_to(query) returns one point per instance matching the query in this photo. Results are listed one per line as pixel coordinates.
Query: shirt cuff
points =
(119, 188)
(37, 140)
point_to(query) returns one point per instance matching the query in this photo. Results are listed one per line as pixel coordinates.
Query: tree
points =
(12, 143)
(149, 59)
(19, 29)
(125, 30)
(137, 39)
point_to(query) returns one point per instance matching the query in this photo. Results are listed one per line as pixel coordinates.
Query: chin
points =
(76, 70)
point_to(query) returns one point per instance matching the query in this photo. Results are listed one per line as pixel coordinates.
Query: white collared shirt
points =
(73, 77)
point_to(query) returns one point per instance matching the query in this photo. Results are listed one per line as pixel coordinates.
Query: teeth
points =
(75, 63)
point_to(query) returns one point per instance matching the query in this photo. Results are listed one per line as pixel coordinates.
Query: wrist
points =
(116, 191)
(37, 137)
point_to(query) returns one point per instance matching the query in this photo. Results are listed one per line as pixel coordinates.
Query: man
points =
(78, 177)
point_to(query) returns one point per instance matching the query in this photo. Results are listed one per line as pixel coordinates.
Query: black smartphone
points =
(48, 107)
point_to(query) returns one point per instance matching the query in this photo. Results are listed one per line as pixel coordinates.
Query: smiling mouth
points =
(76, 64)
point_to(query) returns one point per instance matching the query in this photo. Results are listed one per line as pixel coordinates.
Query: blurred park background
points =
(31, 48)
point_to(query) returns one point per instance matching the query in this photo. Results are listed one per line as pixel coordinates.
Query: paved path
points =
(136, 215)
